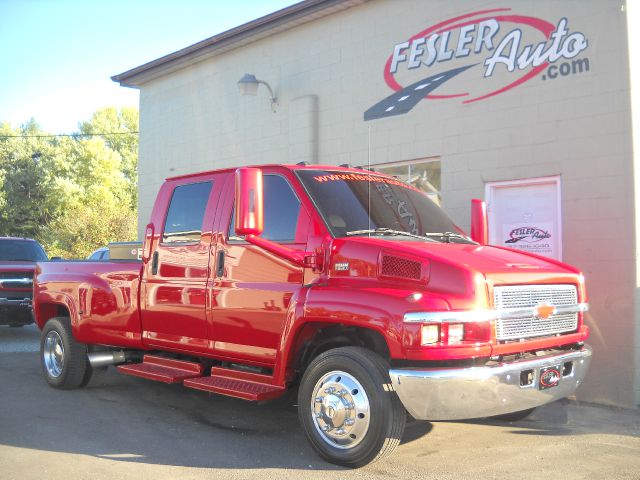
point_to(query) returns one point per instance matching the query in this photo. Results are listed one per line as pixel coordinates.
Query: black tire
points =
(94, 377)
(65, 367)
(385, 417)
(514, 416)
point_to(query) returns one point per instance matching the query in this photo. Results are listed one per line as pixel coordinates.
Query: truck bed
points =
(102, 299)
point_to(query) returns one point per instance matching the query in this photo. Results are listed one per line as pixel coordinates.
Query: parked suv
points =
(18, 257)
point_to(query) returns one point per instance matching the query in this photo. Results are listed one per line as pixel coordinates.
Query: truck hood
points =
(486, 259)
(456, 276)
(497, 264)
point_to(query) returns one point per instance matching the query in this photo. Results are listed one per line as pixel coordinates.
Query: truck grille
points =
(16, 285)
(522, 297)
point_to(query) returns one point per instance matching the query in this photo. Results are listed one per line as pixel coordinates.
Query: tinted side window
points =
(18, 250)
(186, 212)
(281, 210)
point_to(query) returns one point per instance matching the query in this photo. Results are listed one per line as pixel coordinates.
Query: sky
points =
(57, 57)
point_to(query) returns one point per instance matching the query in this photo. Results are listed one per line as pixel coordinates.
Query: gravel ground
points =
(128, 428)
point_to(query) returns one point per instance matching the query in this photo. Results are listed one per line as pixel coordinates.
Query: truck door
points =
(253, 290)
(174, 286)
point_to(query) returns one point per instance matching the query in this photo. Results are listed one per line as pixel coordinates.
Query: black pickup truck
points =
(18, 257)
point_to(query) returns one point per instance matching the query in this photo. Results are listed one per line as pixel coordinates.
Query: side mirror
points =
(249, 202)
(479, 222)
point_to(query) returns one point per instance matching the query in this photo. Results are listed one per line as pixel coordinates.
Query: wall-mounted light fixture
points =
(248, 85)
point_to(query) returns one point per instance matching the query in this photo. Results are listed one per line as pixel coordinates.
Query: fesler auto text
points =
(481, 36)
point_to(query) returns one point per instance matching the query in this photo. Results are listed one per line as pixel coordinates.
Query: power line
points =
(70, 135)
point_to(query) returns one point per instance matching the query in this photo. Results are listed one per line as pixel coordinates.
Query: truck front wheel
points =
(347, 407)
(64, 360)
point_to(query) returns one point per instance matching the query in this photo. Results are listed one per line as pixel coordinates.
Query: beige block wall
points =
(328, 72)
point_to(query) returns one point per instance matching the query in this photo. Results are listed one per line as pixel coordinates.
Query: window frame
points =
(166, 215)
(240, 240)
(491, 188)
(330, 169)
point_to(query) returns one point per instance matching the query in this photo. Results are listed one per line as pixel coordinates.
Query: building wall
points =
(328, 72)
(633, 32)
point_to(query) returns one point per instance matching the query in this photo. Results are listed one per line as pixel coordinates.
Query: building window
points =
(186, 212)
(423, 173)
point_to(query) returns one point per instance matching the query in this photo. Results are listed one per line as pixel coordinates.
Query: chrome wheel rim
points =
(53, 353)
(340, 410)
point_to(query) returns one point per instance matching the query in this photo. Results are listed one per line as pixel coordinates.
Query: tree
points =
(73, 194)
(99, 209)
(119, 123)
(84, 226)
(28, 200)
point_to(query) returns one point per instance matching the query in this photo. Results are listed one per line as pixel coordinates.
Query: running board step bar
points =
(167, 370)
(236, 383)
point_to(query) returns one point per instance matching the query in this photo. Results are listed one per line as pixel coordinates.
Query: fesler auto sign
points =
(530, 238)
(494, 51)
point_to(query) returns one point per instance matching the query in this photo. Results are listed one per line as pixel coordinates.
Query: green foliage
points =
(73, 194)
(25, 169)
(119, 122)
(83, 227)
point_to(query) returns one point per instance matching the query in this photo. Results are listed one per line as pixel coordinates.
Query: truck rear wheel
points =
(347, 407)
(64, 360)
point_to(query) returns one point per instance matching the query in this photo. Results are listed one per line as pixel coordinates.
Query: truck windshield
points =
(21, 250)
(394, 207)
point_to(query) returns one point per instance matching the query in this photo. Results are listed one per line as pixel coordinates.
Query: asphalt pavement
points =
(19, 339)
(129, 428)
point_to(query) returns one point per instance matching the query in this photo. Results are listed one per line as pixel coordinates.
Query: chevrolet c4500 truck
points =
(349, 285)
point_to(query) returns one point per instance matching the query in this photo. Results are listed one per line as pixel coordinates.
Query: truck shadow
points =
(565, 417)
(132, 420)
(126, 419)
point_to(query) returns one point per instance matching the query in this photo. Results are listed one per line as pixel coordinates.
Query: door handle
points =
(154, 263)
(220, 264)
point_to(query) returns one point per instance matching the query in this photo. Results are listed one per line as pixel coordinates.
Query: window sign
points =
(526, 215)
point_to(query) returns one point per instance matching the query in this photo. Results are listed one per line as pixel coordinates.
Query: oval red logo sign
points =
(550, 378)
(477, 44)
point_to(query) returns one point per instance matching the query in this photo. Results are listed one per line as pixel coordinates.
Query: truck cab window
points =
(281, 211)
(186, 213)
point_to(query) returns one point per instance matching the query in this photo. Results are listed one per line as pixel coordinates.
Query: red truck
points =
(347, 284)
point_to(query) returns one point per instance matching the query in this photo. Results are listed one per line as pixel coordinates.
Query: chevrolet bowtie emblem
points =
(545, 311)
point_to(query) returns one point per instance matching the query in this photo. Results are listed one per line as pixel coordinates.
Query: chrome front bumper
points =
(474, 392)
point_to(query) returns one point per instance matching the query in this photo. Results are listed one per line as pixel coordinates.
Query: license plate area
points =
(550, 377)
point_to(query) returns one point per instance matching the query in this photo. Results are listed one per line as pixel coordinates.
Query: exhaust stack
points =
(103, 359)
